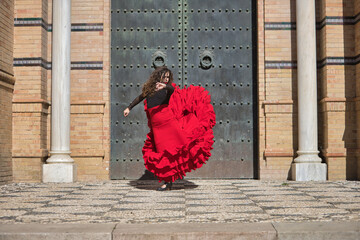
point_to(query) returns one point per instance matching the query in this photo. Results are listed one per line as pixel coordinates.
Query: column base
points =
(59, 157)
(59, 173)
(309, 171)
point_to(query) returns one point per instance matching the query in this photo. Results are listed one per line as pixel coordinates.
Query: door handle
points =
(206, 59)
(159, 59)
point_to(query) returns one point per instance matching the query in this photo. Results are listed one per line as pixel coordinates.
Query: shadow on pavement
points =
(149, 182)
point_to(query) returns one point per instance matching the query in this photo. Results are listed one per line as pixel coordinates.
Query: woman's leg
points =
(165, 186)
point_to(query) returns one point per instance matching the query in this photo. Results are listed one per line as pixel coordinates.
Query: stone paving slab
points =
(318, 230)
(56, 231)
(191, 201)
(189, 231)
(197, 231)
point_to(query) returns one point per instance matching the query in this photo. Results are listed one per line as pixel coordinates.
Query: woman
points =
(180, 122)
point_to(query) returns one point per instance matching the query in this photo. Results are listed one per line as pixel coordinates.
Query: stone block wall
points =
(7, 82)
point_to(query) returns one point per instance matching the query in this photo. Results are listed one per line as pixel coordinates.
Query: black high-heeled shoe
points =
(168, 186)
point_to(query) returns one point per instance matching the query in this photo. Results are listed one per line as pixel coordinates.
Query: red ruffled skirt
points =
(181, 135)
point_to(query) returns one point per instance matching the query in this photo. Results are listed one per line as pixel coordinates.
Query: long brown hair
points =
(150, 85)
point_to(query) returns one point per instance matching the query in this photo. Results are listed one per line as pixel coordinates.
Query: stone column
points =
(307, 166)
(60, 166)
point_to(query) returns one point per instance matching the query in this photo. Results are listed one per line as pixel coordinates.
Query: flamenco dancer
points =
(180, 122)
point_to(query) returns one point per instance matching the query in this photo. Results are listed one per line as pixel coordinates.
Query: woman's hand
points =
(160, 86)
(126, 112)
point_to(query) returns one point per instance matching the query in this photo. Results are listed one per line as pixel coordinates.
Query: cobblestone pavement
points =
(200, 201)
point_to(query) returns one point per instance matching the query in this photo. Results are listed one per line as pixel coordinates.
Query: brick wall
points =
(336, 55)
(336, 80)
(90, 92)
(339, 105)
(30, 103)
(90, 116)
(7, 81)
(357, 79)
(278, 88)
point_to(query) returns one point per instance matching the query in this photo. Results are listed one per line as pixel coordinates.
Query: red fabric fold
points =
(181, 135)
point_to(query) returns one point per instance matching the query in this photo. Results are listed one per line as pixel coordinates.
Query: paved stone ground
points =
(191, 201)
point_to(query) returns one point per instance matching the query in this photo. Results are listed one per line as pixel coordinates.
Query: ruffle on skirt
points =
(195, 115)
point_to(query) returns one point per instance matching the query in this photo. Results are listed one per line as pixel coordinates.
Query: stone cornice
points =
(30, 106)
(338, 152)
(7, 80)
(328, 99)
(31, 101)
(337, 104)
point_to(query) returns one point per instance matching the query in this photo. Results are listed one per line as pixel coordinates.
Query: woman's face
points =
(165, 77)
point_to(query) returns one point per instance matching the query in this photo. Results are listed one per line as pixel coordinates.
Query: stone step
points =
(71, 231)
(189, 231)
(195, 231)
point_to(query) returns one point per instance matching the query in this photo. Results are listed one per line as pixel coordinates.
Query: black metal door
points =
(208, 43)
